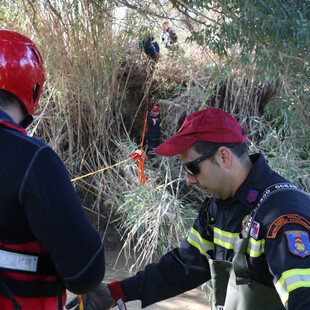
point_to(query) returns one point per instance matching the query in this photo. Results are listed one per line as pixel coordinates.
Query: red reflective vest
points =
(39, 289)
(28, 279)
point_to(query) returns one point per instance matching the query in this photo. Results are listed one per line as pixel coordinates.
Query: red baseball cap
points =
(155, 108)
(210, 125)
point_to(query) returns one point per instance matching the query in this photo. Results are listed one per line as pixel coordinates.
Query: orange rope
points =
(145, 120)
(141, 177)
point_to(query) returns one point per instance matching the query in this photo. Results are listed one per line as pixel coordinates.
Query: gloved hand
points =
(104, 297)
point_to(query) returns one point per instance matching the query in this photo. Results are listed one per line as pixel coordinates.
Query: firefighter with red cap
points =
(47, 244)
(251, 237)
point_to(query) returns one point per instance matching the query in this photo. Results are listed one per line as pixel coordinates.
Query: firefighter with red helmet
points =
(152, 137)
(47, 244)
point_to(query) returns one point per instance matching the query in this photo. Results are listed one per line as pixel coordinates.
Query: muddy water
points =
(117, 268)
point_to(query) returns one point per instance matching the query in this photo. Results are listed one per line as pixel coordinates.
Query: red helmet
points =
(156, 108)
(21, 68)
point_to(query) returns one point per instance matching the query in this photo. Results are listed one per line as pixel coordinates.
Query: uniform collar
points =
(256, 181)
(7, 121)
(254, 185)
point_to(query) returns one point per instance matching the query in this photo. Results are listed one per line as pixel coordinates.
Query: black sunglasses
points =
(192, 167)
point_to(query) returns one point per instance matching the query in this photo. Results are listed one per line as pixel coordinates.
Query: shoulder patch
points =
(298, 242)
(286, 219)
(252, 195)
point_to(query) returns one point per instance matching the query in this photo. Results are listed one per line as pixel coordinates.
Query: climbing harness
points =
(233, 288)
(239, 261)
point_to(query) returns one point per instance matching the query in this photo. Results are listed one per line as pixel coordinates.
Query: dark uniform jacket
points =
(150, 46)
(152, 136)
(40, 214)
(169, 37)
(172, 35)
(278, 252)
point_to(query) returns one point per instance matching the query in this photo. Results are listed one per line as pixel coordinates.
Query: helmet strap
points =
(26, 121)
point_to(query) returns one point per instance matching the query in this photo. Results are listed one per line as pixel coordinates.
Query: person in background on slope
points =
(149, 45)
(168, 37)
(47, 242)
(251, 237)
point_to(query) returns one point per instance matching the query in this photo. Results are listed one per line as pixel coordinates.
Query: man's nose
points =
(190, 179)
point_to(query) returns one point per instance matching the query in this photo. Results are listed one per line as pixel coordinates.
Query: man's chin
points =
(206, 190)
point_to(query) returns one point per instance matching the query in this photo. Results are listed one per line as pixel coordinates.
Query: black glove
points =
(104, 297)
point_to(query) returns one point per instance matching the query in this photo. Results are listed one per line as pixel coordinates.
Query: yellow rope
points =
(81, 306)
(80, 298)
(86, 175)
(134, 155)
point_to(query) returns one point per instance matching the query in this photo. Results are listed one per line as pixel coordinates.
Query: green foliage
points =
(153, 220)
(286, 142)
(272, 35)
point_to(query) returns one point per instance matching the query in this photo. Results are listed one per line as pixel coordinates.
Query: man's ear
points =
(225, 157)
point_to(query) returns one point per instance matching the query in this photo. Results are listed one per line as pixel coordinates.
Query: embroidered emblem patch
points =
(252, 195)
(255, 230)
(298, 242)
(286, 219)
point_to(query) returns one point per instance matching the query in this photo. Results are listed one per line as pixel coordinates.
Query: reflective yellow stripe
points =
(227, 239)
(225, 233)
(198, 242)
(224, 238)
(203, 241)
(256, 247)
(196, 245)
(292, 280)
(226, 245)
